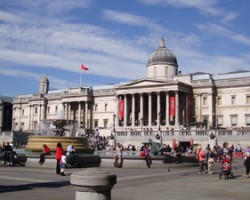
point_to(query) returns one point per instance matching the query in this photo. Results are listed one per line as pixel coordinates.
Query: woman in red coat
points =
(59, 153)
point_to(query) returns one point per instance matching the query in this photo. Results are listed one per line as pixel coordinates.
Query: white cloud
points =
(131, 19)
(208, 7)
(218, 30)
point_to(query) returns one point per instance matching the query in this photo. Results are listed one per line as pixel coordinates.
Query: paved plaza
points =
(132, 183)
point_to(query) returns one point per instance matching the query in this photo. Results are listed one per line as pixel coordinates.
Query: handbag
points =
(210, 160)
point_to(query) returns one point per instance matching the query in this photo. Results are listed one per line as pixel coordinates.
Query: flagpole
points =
(80, 78)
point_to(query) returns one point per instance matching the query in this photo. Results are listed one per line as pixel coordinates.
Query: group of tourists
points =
(8, 153)
(206, 158)
(61, 156)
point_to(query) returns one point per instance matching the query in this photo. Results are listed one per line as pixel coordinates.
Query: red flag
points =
(84, 68)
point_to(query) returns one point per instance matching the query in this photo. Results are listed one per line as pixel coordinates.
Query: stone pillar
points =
(19, 118)
(29, 117)
(158, 108)
(93, 184)
(133, 110)
(186, 111)
(167, 108)
(79, 113)
(86, 115)
(117, 111)
(177, 121)
(150, 109)
(69, 111)
(141, 109)
(125, 111)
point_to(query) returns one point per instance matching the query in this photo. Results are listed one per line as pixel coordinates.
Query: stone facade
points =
(164, 99)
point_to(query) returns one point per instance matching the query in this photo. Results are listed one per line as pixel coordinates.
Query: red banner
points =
(172, 106)
(121, 108)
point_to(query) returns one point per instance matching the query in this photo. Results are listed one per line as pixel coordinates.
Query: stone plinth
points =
(93, 184)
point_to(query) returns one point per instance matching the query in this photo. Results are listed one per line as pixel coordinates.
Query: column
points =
(210, 109)
(158, 108)
(149, 109)
(69, 111)
(125, 111)
(167, 108)
(79, 113)
(86, 116)
(117, 111)
(29, 117)
(186, 111)
(141, 109)
(177, 109)
(19, 117)
(133, 110)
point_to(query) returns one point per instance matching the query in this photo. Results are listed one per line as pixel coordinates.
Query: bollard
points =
(93, 184)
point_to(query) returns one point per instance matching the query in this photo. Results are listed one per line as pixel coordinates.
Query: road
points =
(38, 183)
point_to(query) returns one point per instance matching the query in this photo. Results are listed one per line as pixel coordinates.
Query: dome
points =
(162, 55)
(44, 79)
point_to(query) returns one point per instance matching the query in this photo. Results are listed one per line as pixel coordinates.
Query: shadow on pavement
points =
(15, 188)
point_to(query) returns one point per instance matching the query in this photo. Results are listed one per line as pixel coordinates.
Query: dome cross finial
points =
(162, 43)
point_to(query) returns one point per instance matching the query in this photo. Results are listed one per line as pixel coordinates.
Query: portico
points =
(155, 104)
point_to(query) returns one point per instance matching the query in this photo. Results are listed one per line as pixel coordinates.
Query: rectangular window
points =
(204, 101)
(35, 110)
(248, 99)
(56, 108)
(233, 120)
(22, 111)
(219, 121)
(105, 123)
(96, 107)
(218, 100)
(248, 120)
(48, 109)
(233, 100)
(106, 107)
(96, 123)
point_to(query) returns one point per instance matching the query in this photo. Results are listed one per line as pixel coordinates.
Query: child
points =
(63, 164)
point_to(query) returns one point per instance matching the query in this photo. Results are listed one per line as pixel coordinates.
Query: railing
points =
(185, 133)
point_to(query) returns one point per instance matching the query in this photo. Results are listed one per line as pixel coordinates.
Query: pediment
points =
(144, 83)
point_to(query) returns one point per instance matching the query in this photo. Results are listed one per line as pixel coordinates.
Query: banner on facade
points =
(121, 108)
(172, 106)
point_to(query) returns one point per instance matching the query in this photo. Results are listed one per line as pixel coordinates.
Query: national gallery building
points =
(165, 99)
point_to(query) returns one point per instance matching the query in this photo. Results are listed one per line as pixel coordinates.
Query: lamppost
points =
(159, 126)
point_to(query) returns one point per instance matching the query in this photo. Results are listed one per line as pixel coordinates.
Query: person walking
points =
(201, 159)
(59, 153)
(146, 151)
(247, 160)
(46, 151)
(62, 165)
(210, 160)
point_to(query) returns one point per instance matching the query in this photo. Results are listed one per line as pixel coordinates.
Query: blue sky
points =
(114, 39)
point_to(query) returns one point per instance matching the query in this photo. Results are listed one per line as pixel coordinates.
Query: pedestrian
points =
(62, 165)
(71, 153)
(59, 153)
(178, 152)
(46, 151)
(210, 160)
(146, 151)
(201, 159)
(247, 160)
(166, 152)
